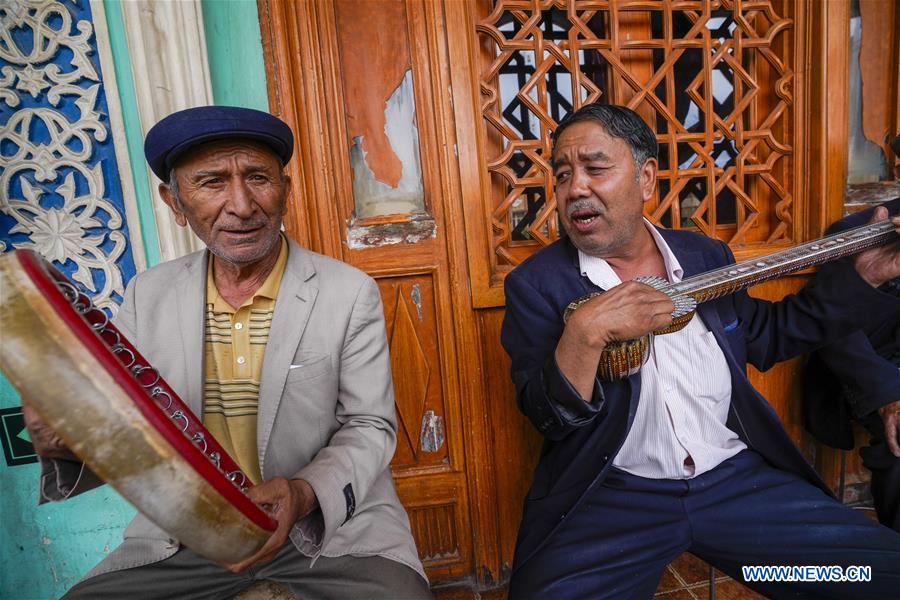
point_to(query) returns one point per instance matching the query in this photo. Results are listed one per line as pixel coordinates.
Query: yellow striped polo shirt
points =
(234, 346)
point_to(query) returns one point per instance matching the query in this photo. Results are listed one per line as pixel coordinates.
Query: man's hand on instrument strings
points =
(625, 312)
(287, 501)
(45, 440)
(880, 265)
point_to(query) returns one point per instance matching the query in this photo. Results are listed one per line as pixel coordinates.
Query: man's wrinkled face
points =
(233, 195)
(600, 192)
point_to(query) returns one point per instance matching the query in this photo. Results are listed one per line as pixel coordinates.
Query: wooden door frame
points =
(827, 61)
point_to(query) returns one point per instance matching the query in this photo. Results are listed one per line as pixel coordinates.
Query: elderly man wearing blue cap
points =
(284, 353)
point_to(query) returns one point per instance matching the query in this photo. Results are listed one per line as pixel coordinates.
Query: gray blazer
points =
(326, 402)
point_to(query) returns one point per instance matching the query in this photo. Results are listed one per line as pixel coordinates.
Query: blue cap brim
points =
(169, 139)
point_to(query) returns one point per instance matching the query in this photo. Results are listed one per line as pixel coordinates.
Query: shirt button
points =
(241, 360)
(238, 325)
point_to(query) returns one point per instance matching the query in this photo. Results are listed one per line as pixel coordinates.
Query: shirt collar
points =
(602, 275)
(269, 288)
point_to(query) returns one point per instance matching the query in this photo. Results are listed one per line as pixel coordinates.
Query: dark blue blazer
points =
(581, 438)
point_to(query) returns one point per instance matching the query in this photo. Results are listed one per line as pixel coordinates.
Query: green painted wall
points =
(49, 547)
(234, 48)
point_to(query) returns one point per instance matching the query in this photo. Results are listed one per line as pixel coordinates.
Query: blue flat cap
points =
(168, 139)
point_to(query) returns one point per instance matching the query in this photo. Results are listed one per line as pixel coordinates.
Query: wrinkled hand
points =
(287, 501)
(45, 440)
(890, 414)
(880, 265)
(627, 311)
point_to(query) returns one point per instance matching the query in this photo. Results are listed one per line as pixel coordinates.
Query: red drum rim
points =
(42, 275)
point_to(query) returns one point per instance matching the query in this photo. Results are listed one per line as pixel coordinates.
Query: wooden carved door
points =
(364, 86)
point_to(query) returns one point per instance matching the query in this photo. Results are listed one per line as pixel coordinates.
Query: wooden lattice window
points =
(714, 79)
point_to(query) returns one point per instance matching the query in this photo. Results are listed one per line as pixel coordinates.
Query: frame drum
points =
(117, 414)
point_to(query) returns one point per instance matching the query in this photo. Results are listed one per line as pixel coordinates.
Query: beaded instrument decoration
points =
(624, 358)
(117, 414)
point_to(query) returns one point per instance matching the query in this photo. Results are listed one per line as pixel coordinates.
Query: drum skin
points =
(83, 396)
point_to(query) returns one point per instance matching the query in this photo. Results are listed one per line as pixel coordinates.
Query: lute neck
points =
(731, 278)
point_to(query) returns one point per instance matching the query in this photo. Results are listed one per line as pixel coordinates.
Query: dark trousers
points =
(744, 512)
(187, 576)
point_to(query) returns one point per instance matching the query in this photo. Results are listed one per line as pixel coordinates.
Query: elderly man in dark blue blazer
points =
(684, 455)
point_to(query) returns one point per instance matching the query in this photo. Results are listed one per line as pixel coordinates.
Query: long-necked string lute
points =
(115, 411)
(624, 358)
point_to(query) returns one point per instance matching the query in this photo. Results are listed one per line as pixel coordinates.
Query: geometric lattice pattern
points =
(712, 78)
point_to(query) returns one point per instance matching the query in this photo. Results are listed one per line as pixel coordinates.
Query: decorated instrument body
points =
(112, 409)
(624, 358)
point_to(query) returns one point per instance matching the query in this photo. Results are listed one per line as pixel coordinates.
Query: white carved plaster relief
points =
(168, 55)
(79, 223)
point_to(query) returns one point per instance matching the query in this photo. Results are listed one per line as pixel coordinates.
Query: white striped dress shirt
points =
(679, 429)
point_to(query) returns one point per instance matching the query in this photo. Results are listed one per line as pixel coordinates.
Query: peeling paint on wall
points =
(407, 232)
(416, 297)
(373, 197)
(432, 435)
(371, 71)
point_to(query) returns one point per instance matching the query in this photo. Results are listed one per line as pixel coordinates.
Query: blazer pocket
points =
(308, 365)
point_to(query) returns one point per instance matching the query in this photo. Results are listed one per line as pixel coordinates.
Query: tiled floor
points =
(688, 577)
(685, 579)
(465, 593)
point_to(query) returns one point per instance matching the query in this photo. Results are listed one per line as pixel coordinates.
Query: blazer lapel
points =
(693, 262)
(587, 286)
(296, 297)
(190, 304)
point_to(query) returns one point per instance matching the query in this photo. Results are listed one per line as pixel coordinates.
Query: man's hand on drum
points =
(45, 441)
(287, 501)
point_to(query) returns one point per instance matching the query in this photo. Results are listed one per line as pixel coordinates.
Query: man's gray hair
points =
(172, 184)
